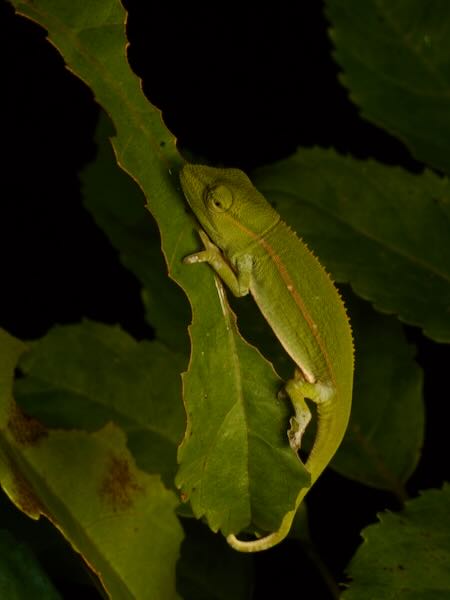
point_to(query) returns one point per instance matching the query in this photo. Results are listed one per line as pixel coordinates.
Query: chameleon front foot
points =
(210, 254)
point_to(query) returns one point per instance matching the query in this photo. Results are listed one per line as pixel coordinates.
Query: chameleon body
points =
(253, 250)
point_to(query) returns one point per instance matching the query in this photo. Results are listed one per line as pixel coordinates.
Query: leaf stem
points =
(323, 570)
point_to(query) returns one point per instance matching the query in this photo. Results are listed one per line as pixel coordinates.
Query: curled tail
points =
(274, 538)
(329, 435)
(267, 541)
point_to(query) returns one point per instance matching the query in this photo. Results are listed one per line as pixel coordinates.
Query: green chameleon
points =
(253, 250)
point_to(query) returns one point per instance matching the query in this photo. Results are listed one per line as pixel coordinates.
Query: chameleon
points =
(253, 251)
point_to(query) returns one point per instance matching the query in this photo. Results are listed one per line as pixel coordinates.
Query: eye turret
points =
(218, 198)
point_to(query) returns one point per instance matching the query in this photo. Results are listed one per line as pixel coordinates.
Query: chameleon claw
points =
(193, 258)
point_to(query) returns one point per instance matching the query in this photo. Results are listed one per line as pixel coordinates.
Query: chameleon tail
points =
(266, 542)
(319, 457)
(272, 539)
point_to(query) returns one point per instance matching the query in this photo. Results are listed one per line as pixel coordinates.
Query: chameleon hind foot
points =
(295, 389)
(298, 424)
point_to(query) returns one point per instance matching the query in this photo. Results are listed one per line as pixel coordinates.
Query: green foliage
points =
(229, 494)
(89, 374)
(385, 434)
(122, 523)
(134, 233)
(406, 555)
(241, 420)
(21, 576)
(396, 62)
(92, 442)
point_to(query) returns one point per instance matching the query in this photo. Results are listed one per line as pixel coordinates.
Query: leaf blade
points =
(85, 375)
(394, 559)
(385, 435)
(395, 62)
(259, 489)
(42, 472)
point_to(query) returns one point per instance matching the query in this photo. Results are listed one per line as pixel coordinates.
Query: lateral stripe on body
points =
(292, 290)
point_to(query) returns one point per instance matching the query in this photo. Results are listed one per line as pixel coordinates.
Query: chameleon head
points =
(226, 203)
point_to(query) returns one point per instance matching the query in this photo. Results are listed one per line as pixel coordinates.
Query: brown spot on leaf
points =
(24, 496)
(119, 486)
(26, 430)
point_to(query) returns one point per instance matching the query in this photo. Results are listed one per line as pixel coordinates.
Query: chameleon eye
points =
(219, 198)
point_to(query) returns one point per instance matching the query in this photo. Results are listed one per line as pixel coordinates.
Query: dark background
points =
(238, 88)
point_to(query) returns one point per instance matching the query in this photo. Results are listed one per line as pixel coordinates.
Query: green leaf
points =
(91, 39)
(385, 435)
(209, 569)
(118, 207)
(85, 375)
(407, 554)
(236, 467)
(120, 519)
(383, 230)
(21, 576)
(395, 57)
